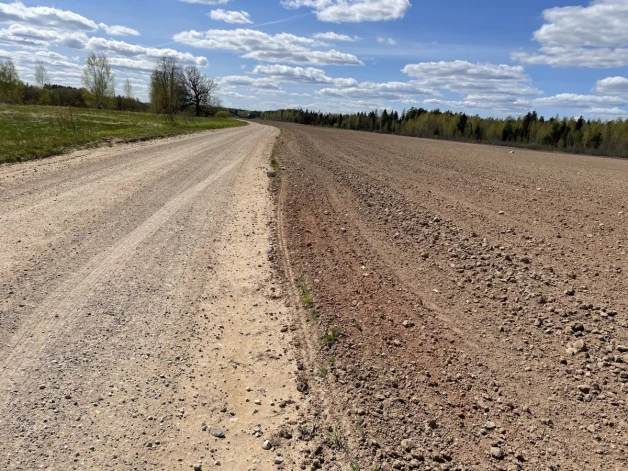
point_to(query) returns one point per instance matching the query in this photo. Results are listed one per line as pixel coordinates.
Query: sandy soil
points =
(141, 325)
(481, 297)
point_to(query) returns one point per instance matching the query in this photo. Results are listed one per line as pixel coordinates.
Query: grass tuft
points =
(330, 337)
(304, 291)
(274, 162)
(336, 439)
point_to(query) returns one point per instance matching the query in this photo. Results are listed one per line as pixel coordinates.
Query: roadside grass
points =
(304, 292)
(31, 132)
(307, 298)
(274, 162)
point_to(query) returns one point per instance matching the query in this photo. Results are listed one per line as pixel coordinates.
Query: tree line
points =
(174, 89)
(576, 135)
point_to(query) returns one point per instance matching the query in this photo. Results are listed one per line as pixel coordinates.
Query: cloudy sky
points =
(491, 57)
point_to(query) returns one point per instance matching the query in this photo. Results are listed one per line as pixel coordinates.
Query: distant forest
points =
(60, 95)
(608, 138)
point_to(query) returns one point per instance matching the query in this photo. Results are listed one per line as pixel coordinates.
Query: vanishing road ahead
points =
(134, 306)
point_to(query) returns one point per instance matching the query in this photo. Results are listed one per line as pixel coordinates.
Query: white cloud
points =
(133, 50)
(559, 56)
(233, 17)
(389, 41)
(390, 91)
(117, 30)
(307, 75)
(126, 63)
(607, 112)
(31, 36)
(18, 13)
(466, 77)
(612, 86)
(253, 44)
(246, 81)
(593, 36)
(49, 58)
(238, 95)
(353, 11)
(331, 36)
(573, 100)
(601, 24)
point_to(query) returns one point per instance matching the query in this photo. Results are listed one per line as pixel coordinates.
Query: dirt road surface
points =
(480, 298)
(140, 325)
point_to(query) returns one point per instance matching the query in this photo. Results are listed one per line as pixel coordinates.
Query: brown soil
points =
(481, 297)
(139, 313)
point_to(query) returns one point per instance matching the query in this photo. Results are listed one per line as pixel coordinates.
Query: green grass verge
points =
(30, 132)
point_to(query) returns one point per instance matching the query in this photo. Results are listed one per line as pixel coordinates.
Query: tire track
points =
(54, 316)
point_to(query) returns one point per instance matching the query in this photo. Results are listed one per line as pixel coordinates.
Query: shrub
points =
(222, 114)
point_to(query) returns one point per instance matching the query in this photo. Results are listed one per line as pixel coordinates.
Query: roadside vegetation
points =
(28, 132)
(41, 119)
(597, 137)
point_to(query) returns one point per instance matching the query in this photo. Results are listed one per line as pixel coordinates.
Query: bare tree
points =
(199, 88)
(98, 79)
(128, 89)
(41, 75)
(167, 90)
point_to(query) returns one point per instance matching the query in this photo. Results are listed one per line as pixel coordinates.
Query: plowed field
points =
(475, 301)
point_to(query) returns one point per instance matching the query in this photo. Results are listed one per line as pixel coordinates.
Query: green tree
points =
(98, 80)
(199, 89)
(167, 88)
(9, 82)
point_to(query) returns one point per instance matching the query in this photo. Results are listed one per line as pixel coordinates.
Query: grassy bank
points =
(30, 132)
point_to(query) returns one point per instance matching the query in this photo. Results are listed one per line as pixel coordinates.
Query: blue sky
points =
(489, 57)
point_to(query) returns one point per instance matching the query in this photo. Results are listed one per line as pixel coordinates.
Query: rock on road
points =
(136, 326)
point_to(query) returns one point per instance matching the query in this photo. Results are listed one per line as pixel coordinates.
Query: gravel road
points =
(480, 296)
(140, 321)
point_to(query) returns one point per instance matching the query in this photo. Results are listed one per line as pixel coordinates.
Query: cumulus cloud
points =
(607, 112)
(498, 87)
(559, 56)
(612, 86)
(331, 36)
(129, 64)
(390, 91)
(573, 100)
(601, 24)
(253, 44)
(133, 50)
(117, 30)
(309, 75)
(28, 36)
(18, 13)
(593, 36)
(353, 11)
(48, 58)
(246, 81)
(234, 17)
(466, 77)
